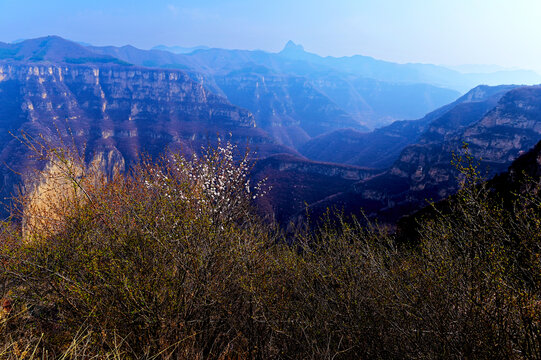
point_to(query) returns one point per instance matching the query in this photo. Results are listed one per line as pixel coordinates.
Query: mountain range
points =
(495, 129)
(348, 92)
(306, 116)
(413, 73)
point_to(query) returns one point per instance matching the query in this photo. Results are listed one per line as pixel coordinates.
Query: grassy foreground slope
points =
(171, 262)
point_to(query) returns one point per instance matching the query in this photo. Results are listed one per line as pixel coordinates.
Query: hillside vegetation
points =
(171, 262)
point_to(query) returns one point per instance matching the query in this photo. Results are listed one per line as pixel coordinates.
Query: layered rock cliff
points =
(115, 113)
(518, 183)
(499, 137)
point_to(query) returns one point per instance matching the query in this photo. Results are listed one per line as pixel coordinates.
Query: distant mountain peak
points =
(55, 49)
(292, 47)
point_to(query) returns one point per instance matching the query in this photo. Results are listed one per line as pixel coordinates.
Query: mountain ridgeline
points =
(253, 76)
(382, 147)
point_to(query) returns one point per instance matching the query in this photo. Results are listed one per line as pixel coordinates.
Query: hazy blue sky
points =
(503, 32)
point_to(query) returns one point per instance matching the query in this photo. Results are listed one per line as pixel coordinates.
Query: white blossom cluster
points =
(216, 184)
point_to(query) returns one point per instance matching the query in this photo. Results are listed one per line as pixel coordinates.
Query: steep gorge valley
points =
(304, 119)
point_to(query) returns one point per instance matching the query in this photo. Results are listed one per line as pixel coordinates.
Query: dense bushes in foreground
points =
(171, 262)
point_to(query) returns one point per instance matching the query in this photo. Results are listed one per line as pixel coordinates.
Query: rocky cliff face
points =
(116, 112)
(511, 127)
(382, 147)
(296, 183)
(288, 107)
(518, 182)
(424, 170)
